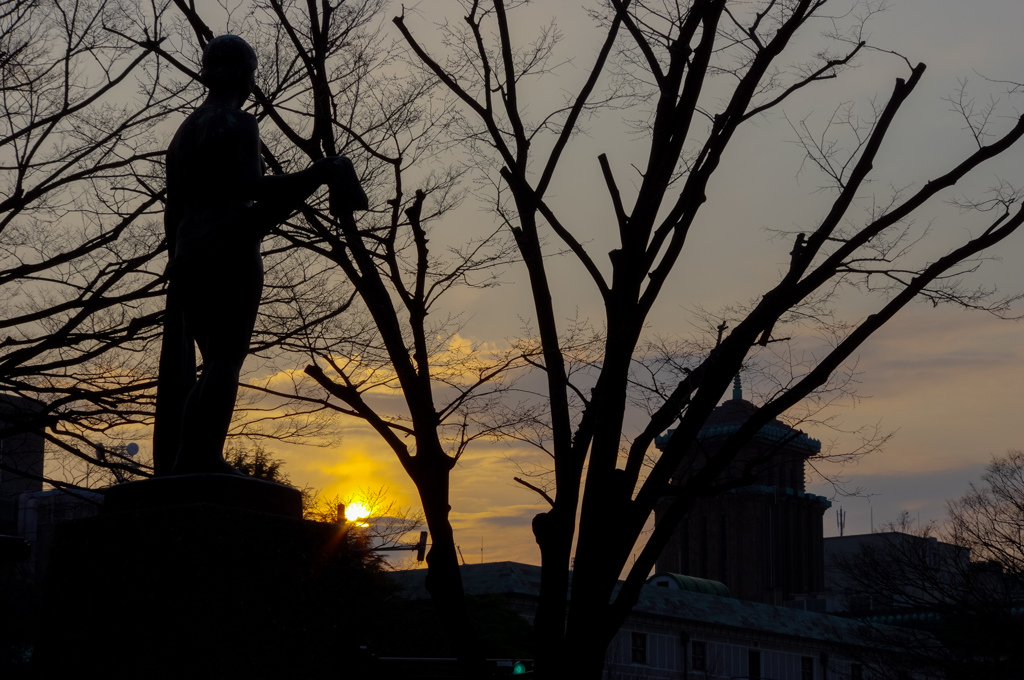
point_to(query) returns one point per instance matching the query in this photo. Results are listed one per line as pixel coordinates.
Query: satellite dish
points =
(132, 449)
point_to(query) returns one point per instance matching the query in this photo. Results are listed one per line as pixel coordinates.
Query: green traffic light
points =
(519, 668)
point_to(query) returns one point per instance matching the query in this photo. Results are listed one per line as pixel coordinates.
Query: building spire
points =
(737, 387)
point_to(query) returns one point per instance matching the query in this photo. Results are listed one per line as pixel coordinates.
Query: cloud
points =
(947, 381)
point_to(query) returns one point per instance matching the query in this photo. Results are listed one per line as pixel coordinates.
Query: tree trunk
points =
(582, 656)
(444, 579)
(553, 531)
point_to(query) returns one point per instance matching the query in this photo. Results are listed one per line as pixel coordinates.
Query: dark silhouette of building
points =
(689, 629)
(918, 566)
(763, 540)
(21, 456)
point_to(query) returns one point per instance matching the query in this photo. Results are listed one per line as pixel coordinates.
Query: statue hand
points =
(347, 194)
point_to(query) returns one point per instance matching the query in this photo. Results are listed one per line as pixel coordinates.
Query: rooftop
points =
(731, 414)
(684, 606)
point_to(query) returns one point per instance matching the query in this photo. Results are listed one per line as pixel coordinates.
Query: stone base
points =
(231, 491)
(203, 591)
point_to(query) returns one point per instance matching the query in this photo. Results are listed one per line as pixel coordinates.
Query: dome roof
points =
(728, 418)
(690, 584)
(731, 414)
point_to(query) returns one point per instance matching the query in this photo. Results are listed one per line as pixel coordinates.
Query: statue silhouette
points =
(219, 207)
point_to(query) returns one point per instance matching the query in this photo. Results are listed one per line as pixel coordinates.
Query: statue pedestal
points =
(226, 491)
(202, 577)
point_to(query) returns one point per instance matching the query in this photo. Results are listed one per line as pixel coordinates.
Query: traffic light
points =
(503, 668)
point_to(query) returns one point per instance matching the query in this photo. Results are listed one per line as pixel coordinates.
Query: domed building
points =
(762, 540)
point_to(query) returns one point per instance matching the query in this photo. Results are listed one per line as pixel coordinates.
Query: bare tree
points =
(697, 72)
(83, 96)
(989, 519)
(355, 297)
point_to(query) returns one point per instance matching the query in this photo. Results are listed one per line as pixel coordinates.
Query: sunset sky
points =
(946, 381)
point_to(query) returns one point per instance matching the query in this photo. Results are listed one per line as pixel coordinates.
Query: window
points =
(638, 650)
(754, 664)
(806, 668)
(699, 655)
(856, 672)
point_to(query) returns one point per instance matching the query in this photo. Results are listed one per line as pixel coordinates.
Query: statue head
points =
(228, 63)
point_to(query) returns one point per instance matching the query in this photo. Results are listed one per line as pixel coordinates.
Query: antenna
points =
(841, 520)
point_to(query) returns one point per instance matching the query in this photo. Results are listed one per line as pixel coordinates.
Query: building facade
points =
(689, 629)
(21, 456)
(762, 540)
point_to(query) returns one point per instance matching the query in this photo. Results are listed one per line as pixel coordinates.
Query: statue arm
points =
(289, 190)
(277, 196)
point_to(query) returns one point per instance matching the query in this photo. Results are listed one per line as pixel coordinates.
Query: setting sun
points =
(356, 511)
